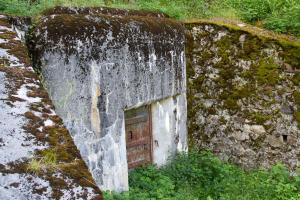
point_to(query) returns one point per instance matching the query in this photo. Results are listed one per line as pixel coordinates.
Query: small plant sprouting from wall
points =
(47, 161)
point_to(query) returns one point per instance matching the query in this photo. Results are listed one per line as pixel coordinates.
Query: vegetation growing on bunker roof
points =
(278, 15)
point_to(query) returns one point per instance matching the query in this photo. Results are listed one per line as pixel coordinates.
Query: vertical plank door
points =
(138, 137)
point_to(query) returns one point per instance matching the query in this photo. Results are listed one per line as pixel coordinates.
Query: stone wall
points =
(243, 94)
(96, 66)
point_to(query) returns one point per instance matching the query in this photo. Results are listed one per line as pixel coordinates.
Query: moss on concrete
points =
(259, 118)
(296, 96)
(61, 155)
(59, 28)
(297, 117)
(267, 72)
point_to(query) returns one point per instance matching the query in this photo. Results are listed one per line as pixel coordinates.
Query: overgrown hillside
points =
(278, 15)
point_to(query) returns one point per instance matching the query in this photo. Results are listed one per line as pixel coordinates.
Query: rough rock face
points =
(38, 159)
(96, 66)
(244, 95)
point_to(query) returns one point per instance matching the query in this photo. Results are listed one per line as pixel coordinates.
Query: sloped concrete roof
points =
(38, 159)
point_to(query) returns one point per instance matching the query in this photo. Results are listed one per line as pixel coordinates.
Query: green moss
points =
(226, 75)
(262, 74)
(62, 156)
(251, 48)
(197, 82)
(296, 79)
(267, 72)
(231, 96)
(71, 26)
(46, 161)
(224, 48)
(243, 92)
(297, 117)
(291, 55)
(280, 92)
(231, 104)
(259, 118)
(60, 140)
(206, 55)
(223, 120)
(8, 35)
(296, 96)
(265, 35)
(61, 149)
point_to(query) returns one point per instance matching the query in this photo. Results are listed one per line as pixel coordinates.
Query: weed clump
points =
(47, 161)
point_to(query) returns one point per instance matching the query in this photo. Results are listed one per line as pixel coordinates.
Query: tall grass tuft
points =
(46, 162)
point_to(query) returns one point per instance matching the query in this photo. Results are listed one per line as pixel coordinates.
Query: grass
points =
(278, 15)
(46, 162)
(201, 175)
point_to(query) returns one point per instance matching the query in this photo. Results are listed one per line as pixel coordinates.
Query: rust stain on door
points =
(138, 137)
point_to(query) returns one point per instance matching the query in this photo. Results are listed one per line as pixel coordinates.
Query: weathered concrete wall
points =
(168, 128)
(31, 132)
(97, 66)
(243, 94)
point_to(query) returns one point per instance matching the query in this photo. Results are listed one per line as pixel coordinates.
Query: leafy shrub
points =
(149, 183)
(200, 175)
(286, 21)
(251, 10)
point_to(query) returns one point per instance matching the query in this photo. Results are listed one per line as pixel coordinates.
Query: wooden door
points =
(138, 137)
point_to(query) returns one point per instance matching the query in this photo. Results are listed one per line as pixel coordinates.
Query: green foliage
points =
(200, 175)
(34, 7)
(251, 10)
(14, 6)
(47, 161)
(180, 9)
(149, 183)
(278, 15)
(285, 19)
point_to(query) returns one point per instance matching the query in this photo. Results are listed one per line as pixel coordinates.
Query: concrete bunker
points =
(98, 68)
